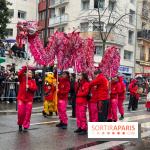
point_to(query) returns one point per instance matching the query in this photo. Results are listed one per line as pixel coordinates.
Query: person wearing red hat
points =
(25, 98)
(115, 90)
(121, 98)
(62, 97)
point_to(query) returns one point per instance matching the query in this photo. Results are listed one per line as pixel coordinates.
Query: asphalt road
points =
(43, 135)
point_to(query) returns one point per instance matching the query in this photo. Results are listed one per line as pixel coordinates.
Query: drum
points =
(139, 90)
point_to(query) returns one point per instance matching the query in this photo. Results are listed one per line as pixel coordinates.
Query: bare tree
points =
(110, 17)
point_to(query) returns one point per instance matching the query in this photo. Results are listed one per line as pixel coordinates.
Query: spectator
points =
(20, 52)
(11, 88)
(38, 81)
(15, 49)
(2, 48)
(25, 53)
(2, 78)
(8, 48)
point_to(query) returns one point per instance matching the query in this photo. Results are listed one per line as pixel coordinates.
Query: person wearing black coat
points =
(72, 95)
(2, 78)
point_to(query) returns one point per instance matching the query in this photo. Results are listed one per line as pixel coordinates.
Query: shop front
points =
(126, 71)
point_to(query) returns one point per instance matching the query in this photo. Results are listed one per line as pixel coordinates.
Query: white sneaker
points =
(8, 102)
(14, 101)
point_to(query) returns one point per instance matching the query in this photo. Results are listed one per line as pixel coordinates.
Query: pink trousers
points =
(62, 104)
(120, 106)
(93, 112)
(81, 116)
(24, 113)
(112, 111)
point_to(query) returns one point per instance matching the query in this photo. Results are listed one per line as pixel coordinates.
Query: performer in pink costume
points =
(92, 104)
(25, 98)
(115, 90)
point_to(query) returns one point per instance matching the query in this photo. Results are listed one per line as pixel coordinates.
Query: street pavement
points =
(43, 135)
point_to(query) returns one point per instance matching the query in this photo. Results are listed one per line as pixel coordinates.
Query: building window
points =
(97, 27)
(84, 27)
(131, 37)
(42, 15)
(10, 32)
(143, 26)
(62, 29)
(128, 55)
(132, 17)
(85, 4)
(42, 34)
(109, 27)
(98, 50)
(21, 15)
(144, 9)
(62, 11)
(51, 31)
(11, 13)
(132, 1)
(101, 3)
(52, 13)
(41, 1)
(142, 53)
(112, 5)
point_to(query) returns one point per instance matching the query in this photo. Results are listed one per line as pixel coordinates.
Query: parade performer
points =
(52, 81)
(133, 93)
(62, 94)
(92, 104)
(115, 90)
(25, 98)
(82, 89)
(121, 97)
(103, 95)
(49, 104)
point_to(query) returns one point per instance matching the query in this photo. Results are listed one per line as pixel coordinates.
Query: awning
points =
(147, 68)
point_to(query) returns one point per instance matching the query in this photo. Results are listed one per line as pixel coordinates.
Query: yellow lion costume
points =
(51, 80)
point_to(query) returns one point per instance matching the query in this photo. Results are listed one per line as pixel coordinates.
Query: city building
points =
(143, 38)
(21, 10)
(69, 15)
(41, 18)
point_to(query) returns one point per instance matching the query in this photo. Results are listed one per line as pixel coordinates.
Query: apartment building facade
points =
(69, 15)
(143, 38)
(21, 10)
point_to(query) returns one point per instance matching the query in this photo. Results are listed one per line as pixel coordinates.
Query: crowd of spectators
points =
(18, 52)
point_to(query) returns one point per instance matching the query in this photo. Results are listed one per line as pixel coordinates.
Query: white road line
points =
(40, 123)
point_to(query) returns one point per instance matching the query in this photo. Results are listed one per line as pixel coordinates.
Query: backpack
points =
(89, 96)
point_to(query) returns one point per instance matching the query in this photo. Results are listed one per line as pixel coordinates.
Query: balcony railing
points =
(56, 20)
(112, 38)
(143, 57)
(56, 3)
(144, 34)
(145, 13)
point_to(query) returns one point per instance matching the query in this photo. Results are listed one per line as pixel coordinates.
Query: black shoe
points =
(72, 116)
(122, 117)
(83, 132)
(115, 121)
(133, 109)
(20, 127)
(43, 113)
(64, 126)
(59, 124)
(109, 120)
(25, 130)
(51, 114)
(56, 113)
(78, 130)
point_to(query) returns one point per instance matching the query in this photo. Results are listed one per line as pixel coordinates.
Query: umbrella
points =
(10, 40)
(9, 65)
(30, 67)
(2, 60)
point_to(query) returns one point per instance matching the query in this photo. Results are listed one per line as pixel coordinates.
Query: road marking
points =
(128, 119)
(40, 123)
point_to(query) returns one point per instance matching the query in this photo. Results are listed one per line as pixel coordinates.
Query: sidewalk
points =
(8, 109)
